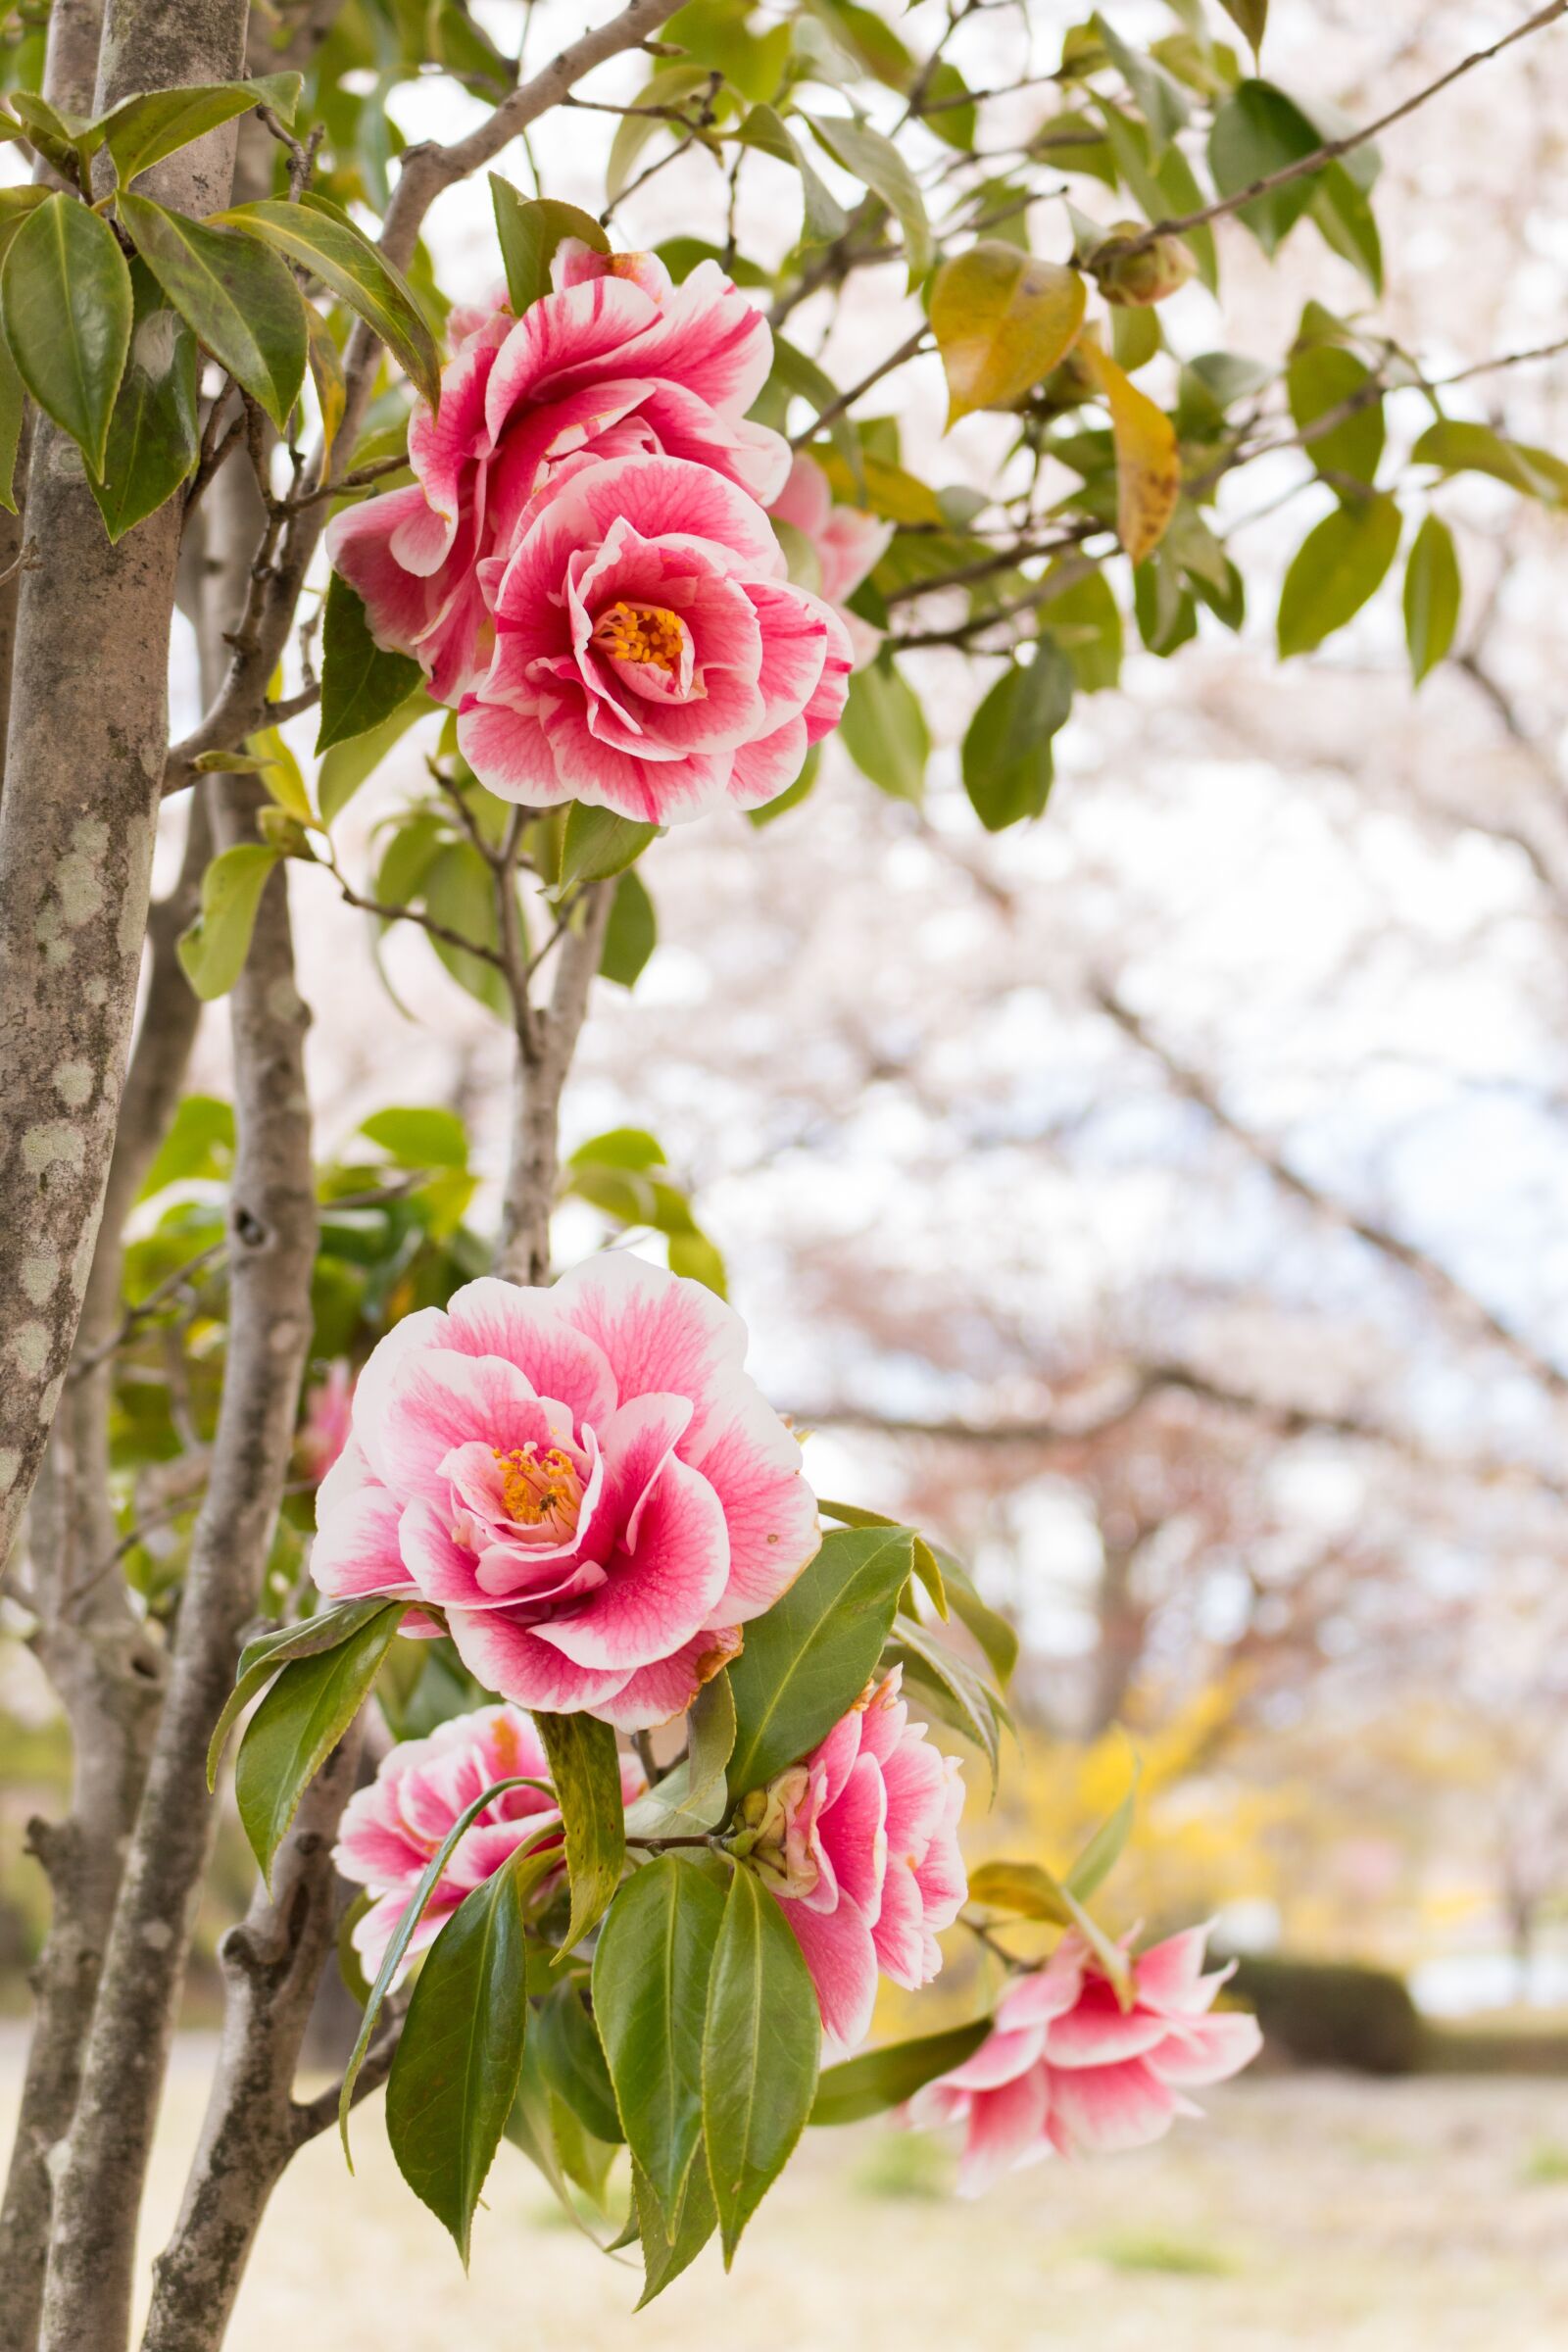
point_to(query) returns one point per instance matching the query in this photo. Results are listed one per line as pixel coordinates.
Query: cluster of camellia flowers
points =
(584, 565)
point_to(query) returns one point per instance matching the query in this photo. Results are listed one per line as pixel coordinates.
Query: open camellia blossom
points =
(860, 1843)
(845, 542)
(616, 360)
(583, 1481)
(1066, 2069)
(391, 1829)
(651, 655)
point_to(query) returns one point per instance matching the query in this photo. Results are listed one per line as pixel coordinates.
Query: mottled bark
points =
(85, 746)
(546, 1038)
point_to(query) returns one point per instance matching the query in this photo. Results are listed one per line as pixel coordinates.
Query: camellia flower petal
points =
(390, 1830)
(583, 1480)
(650, 656)
(1066, 2069)
(860, 1843)
(846, 542)
(617, 360)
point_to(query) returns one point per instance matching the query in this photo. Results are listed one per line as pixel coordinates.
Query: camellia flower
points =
(328, 1419)
(1067, 2068)
(845, 542)
(391, 1829)
(582, 1480)
(650, 657)
(616, 360)
(860, 1843)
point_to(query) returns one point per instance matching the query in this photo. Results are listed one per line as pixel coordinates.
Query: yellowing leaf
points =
(1002, 320)
(1148, 466)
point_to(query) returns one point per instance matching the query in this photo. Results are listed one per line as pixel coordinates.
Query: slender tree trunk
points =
(546, 1038)
(85, 746)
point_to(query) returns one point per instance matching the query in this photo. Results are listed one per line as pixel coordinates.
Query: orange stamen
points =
(539, 1490)
(640, 633)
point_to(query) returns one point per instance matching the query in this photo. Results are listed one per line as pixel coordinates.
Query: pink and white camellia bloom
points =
(860, 1844)
(390, 1830)
(650, 655)
(583, 1482)
(615, 359)
(1066, 2069)
(845, 542)
(328, 1419)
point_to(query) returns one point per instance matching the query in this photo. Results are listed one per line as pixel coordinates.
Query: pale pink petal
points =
(842, 1959)
(1170, 1975)
(709, 338)
(506, 1656)
(578, 328)
(1001, 2058)
(355, 1548)
(1006, 2128)
(439, 1400)
(489, 1317)
(690, 427)
(1098, 2032)
(666, 497)
(424, 1329)
(667, 1687)
(762, 769)
(904, 1950)
(754, 1466)
(636, 1442)
(1208, 2049)
(1049, 1992)
(849, 545)
(806, 498)
(1102, 2109)
(397, 602)
(656, 1597)
(660, 1335)
(510, 752)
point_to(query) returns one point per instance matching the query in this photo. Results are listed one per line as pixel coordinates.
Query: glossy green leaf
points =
(65, 295)
(1461, 448)
(572, 2059)
(1007, 766)
(631, 934)
(650, 1986)
(882, 2078)
(694, 1796)
(213, 948)
(268, 1653)
(871, 158)
(1432, 594)
(985, 1625)
(809, 1658)
(760, 2046)
(418, 1136)
(199, 1145)
(952, 1688)
(668, 2252)
(459, 890)
(459, 2057)
(155, 431)
(297, 1726)
(140, 131)
(884, 731)
(240, 298)
(549, 2134)
(529, 231)
(350, 764)
(596, 842)
(1255, 133)
(316, 236)
(1340, 564)
(1320, 381)
(1002, 320)
(585, 1769)
(363, 683)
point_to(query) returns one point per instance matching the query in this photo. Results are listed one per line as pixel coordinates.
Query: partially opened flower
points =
(616, 358)
(391, 1829)
(860, 1843)
(328, 1419)
(845, 542)
(582, 1480)
(1066, 2069)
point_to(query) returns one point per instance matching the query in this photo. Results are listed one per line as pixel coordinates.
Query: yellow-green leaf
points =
(1002, 320)
(1148, 466)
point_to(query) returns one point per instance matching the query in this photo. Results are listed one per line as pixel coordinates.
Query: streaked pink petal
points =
(1207, 2049)
(489, 1317)
(1005, 2129)
(655, 1596)
(355, 1548)
(1102, 2109)
(842, 1959)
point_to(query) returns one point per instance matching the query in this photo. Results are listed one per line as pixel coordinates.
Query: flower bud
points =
(1133, 278)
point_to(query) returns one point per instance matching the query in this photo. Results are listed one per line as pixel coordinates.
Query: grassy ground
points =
(1422, 2216)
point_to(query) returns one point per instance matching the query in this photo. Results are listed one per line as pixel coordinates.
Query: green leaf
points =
(950, 1685)
(549, 2134)
(823, 217)
(884, 731)
(984, 1623)
(361, 682)
(529, 232)
(418, 1136)
(411, 1914)
(316, 236)
(650, 1986)
(212, 949)
(1250, 17)
(268, 1653)
(1086, 623)
(697, 1259)
(140, 131)
(1339, 565)
(1345, 222)
(596, 842)
(573, 2060)
(1320, 379)
(1006, 752)
(666, 89)
(631, 1148)
(882, 2078)
(1460, 448)
(460, 2055)
(694, 1796)
(65, 295)
(240, 300)
(460, 891)
(13, 401)
(809, 1658)
(873, 159)
(1002, 320)
(297, 1726)
(632, 932)
(154, 433)
(199, 1144)
(1158, 95)
(1431, 597)
(760, 2046)
(1028, 1891)
(665, 2252)
(1105, 1848)
(585, 1768)
(350, 764)
(1256, 132)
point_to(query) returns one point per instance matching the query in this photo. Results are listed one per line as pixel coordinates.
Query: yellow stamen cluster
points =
(539, 1490)
(640, 633)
